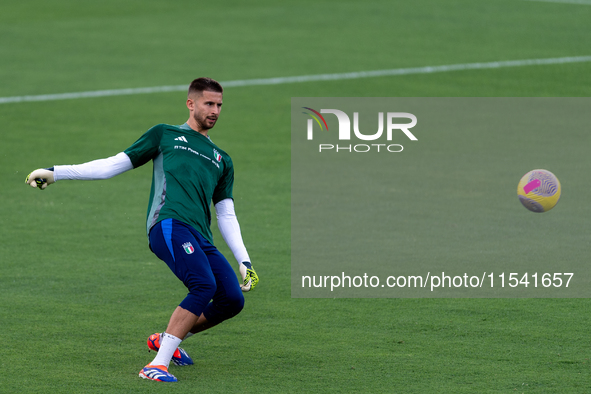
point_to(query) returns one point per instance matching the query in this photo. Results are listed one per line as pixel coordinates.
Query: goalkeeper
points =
(190, 172)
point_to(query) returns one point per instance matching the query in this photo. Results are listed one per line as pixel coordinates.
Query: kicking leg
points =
(228, 299)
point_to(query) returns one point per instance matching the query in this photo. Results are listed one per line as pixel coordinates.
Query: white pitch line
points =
(585, 2)
(303, 78)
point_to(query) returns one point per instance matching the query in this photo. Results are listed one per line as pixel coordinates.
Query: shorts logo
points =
(188, 247)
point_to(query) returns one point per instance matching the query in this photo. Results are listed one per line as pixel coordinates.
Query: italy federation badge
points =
(188, 247)
(217, 155)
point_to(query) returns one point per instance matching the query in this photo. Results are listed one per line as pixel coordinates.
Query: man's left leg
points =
(228, 299)
(226, 303)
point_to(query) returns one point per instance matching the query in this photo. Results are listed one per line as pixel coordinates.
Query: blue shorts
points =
(213, 287)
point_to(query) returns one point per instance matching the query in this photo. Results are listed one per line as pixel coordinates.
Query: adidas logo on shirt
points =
(182, 138)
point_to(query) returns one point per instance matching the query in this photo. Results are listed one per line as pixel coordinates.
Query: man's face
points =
(205, 108)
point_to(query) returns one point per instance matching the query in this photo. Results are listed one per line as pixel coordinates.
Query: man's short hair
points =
(200, 85)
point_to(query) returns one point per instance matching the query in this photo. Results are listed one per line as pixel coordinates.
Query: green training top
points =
(189, 172)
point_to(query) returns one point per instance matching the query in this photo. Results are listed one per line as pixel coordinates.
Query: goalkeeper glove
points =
(40, 178)
(249, 276)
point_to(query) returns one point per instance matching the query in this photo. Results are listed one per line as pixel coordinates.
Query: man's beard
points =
(203, 123)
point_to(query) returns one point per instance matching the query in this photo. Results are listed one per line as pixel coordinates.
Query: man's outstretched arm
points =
(230, 230)
(93, 170)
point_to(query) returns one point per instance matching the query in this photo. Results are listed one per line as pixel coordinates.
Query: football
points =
(539, 190)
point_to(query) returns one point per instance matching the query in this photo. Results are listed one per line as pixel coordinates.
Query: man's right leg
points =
(173, 243)
(180, 320)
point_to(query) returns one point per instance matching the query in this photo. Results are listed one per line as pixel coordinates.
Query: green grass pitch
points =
(79, 290)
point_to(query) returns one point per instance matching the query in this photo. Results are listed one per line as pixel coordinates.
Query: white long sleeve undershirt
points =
(94, 170)
(230, 229)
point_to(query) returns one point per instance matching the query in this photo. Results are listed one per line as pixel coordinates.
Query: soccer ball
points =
(539, 190)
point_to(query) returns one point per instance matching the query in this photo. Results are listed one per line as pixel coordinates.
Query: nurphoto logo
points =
(344, 130)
